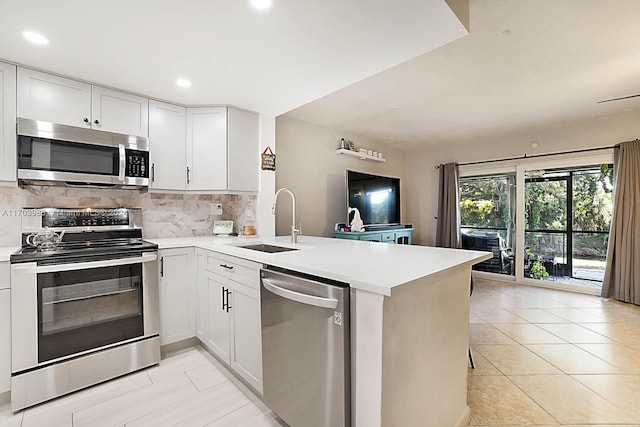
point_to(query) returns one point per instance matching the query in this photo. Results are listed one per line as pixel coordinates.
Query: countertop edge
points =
(227, 246)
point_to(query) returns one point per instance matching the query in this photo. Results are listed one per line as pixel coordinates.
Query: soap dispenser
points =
(248, 222)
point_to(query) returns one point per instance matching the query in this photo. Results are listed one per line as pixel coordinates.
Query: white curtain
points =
(622, 274)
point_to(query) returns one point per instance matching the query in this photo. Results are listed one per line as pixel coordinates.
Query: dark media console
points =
(399, 234)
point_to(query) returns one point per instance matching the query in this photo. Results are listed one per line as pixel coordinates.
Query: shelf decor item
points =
(268, 160)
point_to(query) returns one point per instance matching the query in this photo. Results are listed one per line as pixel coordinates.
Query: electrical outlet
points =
(217, 209)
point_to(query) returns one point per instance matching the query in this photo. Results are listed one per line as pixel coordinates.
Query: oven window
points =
(63, 156)
(81, 310)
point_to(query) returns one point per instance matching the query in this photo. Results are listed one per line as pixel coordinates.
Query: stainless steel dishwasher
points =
(305, 349)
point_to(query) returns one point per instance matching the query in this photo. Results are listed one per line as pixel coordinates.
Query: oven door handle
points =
(123, 162)
(31, 268)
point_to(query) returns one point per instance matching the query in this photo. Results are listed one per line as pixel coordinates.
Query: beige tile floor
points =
(546, 357)
(189, 388)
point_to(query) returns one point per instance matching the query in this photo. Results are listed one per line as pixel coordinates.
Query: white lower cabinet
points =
(177, 295)
(5, 328)
(228, 320)
(218, 338)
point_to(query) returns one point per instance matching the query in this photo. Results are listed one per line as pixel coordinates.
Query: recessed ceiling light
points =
(183, 83)
(261, 4)
(35, 38)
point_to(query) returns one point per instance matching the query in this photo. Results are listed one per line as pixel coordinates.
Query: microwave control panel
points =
(137, 164)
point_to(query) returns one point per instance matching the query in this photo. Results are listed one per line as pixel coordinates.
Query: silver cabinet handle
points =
(298, 296)
(123, 161)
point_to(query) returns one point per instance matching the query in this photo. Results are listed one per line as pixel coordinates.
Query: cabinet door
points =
(246, 352)
(244, 150)
(218, 328)
(119, 112)
(202, 306)
(207, 148)
(54, 99)
(177, 296)
(167, 142)
(7, 122)
(5, 340)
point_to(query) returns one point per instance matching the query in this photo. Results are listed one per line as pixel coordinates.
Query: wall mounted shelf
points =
(361, 156)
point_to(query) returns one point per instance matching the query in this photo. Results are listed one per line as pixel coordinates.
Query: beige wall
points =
(422, 182)
(306, 163)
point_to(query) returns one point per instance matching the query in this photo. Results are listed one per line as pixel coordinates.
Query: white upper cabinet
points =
(207, 148)
(50, 98)
(54, 99)
(244, 152)
(222, 149)
(7, 122)
(167, 140)
(119, 112)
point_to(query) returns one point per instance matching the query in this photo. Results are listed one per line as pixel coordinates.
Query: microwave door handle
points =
(123, 162)
(54, 268)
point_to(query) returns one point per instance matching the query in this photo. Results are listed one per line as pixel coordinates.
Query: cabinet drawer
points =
(388, 237)
(377, 237)
(5, 275)
(239, 270)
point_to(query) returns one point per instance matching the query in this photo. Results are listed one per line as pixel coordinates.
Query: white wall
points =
(306, 163)
(264, 219)
(422, 182)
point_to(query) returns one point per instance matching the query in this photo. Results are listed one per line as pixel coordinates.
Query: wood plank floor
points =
(189, 388)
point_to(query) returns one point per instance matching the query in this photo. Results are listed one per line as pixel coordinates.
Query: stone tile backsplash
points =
(164, 214)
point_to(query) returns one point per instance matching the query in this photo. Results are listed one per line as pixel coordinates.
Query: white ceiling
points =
(267, 61)
(527, 66)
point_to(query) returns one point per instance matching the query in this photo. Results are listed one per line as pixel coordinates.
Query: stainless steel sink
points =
(263, 247)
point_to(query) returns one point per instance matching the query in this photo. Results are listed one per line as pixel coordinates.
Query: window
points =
(487, 217)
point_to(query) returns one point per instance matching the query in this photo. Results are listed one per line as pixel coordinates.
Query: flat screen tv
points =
(376, 197)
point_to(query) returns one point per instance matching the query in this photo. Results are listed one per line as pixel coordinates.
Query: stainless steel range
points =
(84, 299)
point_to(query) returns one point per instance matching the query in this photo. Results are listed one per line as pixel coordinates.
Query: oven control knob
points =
(72, 222)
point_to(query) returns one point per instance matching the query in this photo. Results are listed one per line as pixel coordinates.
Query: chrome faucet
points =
(294, 231)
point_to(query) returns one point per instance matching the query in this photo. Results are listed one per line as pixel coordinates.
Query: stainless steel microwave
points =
(54, 154)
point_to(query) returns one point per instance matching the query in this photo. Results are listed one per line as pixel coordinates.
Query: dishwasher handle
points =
(298, 296)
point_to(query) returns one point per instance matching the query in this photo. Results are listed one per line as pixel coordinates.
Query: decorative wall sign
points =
(268, 160)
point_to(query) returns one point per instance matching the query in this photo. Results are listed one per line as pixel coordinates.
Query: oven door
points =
(60, 311)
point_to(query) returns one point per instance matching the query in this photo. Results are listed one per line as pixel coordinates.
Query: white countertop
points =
(6, 251)
(370, 266)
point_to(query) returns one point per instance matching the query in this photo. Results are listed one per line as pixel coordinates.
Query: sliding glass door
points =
(567, 218)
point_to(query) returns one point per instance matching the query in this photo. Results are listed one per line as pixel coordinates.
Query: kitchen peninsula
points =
(409, 320)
